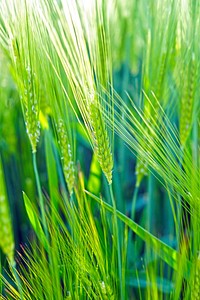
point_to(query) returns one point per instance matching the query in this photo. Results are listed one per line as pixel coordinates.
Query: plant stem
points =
(130, 234)
(150, 211)
(135, 194)
(115, 227)
(179, 207)
(196, 223)
(151, 204)
(41, 200)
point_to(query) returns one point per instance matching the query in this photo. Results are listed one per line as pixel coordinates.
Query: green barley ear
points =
(6, 232)
(22, 51)
(66, 154)
(141, 163)
(141, 170)
(195, 288)
(30, 105)
(80, 55)
(107, 291)
(155, 67)
(101, 142)
(187, 100)
(28, 87)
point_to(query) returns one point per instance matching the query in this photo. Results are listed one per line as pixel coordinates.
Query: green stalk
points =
(195, 219)
(1, 280)
(41, 200)
(52, 173)
(122, 147)
(130, 248)
(116, 234)
(151, 205)
(135, 194)
(179, 209)
(124, 259)
(151, 211)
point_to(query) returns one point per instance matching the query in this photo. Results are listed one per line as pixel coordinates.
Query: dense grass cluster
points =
(99, 149)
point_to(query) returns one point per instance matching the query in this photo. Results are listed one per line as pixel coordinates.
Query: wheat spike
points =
(6, 232)
(195, 291)
(187, 102)
(66, 155)
(28, 87)
(101, 142)
(141, 170)
(31, 110)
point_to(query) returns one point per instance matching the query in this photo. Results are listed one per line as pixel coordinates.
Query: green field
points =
(100, 149)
